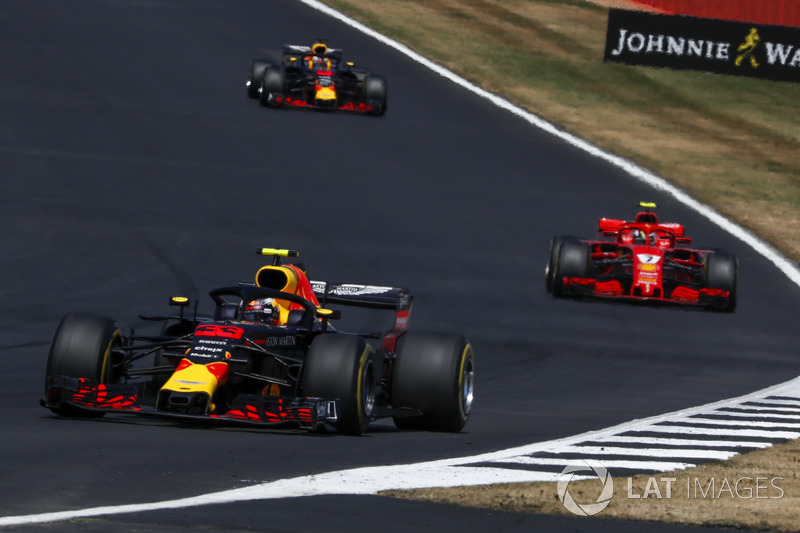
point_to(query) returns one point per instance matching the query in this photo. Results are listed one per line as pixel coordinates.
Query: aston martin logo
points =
(360, 290)
(747, 48)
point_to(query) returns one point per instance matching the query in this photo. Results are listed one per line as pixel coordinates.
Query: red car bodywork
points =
(642, 260)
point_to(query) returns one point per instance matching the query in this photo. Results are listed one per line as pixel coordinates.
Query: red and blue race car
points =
(269, 356)
(645, 260)
(316, 77)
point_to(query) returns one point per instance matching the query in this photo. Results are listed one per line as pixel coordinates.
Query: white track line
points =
(683, 453)
(754, 415)
(371, 480)
(740, 433)
(754, 423)
(664, 441)
(662, 466)
(772, 408)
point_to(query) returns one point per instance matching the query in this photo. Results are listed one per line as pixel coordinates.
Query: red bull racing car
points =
(645, 260)
(316, 77)
(268, 357)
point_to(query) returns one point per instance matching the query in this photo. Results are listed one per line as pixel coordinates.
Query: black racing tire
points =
(555, 249)
(257, 68)
(433, 373)
(375, 93)
(342, 367)
(722, 272)
(83, 347)
(272, 86)
(572, 261)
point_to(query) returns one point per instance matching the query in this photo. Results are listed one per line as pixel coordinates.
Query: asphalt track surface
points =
(134, 168)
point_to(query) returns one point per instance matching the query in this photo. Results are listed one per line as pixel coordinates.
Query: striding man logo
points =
(747, 48)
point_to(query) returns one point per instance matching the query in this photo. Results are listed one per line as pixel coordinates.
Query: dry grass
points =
(767, 495)
(730, 142)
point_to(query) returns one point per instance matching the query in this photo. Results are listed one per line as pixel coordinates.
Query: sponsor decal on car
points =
(358, 290)
(649, 259)
(318, 286)
(216, 330)
(280, 341)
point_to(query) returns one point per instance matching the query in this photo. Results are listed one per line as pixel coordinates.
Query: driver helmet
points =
(319, 49)
(639, 236)
(262, 310)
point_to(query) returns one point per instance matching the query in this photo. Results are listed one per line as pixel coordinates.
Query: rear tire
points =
(722, 272)
(341, 366)
(272, 86)
(83, 347)
(376, 94)
(572, 261)
(257, 68)
(433, 373)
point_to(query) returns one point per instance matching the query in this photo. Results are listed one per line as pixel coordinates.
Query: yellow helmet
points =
(319, 48)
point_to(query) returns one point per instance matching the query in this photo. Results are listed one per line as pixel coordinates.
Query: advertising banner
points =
(711, 45)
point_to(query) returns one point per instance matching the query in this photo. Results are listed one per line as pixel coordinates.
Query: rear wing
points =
(299, 49)
(373, 296)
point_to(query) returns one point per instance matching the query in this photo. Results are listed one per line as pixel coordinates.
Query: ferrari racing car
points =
(316, 77)
(643, 259)
(268, 357)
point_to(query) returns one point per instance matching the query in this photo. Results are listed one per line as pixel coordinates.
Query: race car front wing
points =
(680, 294)
(81, 396)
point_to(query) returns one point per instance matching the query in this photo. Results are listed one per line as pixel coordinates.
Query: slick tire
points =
(83, 347)
(272, 86)
(375, 93)
(341, 366)
(257, 68)
(572, 261)
(555, 249)
(433, 374)
(722, 272)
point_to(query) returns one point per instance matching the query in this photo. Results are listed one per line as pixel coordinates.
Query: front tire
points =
(83, 347)
(433, 373)
(722, 272)
(257, 68)
(376, 94)
(572, 261)
(555, 250)
(341, 366)
(272, 87)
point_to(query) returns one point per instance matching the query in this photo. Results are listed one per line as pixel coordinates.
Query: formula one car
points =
(268, 357)
(316, 77)
(642, 260)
